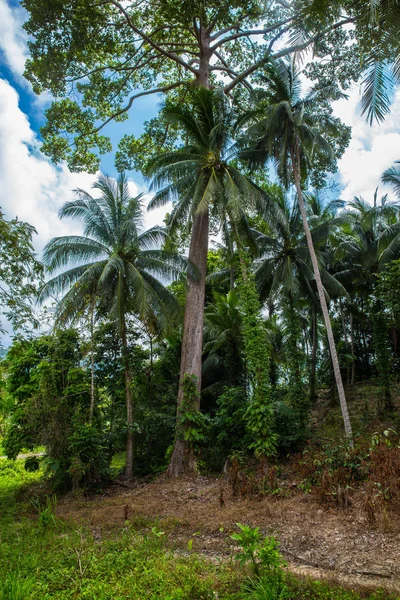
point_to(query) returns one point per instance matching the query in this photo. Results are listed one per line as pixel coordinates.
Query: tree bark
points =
(321, 294)
(313, 394)
(183, 459)
(353, 364)
(129, 409)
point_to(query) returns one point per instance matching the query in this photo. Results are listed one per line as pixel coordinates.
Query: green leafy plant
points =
(259, 415)
(192, 424)
(268, 588)
(262, 553)
(46, 511)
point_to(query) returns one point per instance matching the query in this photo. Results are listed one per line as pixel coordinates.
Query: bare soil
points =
(322, 542)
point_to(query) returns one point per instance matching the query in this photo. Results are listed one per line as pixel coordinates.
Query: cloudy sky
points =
(34, 189)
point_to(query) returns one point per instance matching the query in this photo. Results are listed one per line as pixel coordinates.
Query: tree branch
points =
(281, 54)
(246, 33)
(152, 43)
(165, 88)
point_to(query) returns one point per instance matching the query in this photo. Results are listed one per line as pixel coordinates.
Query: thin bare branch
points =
(165, 88)
(248, 33)
(282, 53)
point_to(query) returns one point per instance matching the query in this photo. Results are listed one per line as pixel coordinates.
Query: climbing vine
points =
(192, 424)
(259, 415)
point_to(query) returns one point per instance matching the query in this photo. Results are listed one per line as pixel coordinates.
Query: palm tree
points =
(283, 262)
(392, 177)
(371, 241)
(223, 337)
(374, 239)
(377, 25)
(114, 263)
(284, 131)
(204, 185)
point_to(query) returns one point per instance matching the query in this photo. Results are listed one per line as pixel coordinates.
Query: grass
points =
(43, 557)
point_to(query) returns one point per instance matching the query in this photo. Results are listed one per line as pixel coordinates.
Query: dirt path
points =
(332, 544)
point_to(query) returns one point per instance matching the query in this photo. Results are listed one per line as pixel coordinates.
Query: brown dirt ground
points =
(329, 543)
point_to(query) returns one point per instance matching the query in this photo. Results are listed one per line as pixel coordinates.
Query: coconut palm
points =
(115, 264)
(369, 242)
(392, 177)
(283, 261)
(284, 131)
(373, 240)
(204, 185)
(377, 26)
(223, 338)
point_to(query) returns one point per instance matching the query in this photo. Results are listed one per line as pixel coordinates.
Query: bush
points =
(89, 467)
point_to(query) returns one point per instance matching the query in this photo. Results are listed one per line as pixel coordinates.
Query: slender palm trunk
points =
(129, 409)
(183, 458)
(353, 362)
(313, 378)
(321, 294)
(92, 388)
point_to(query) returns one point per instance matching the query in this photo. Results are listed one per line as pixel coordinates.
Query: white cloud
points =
(13, 37)
(371, 150)
(31, 187)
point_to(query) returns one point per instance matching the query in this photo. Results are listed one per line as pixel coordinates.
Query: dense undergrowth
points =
(42, 556)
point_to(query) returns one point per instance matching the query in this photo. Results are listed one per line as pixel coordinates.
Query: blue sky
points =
(34, 189)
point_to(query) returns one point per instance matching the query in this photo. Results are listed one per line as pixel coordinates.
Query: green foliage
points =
(51, 397)
(297, 396)
(14, 587)
(192, 424)
(88, 456)
(32, 464)
(268, 588)
(20, 274)
(388, 288)
(290, 436)
(383, 350)
(227, 433)
(261, 553)
(259, 415)
(46, 512)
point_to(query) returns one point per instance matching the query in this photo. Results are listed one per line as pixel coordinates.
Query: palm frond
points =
(376, 88)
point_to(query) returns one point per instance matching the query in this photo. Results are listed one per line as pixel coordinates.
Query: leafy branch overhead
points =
(99, 59)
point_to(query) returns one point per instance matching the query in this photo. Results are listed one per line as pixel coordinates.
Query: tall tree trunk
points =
(129, 409)
(313, 394)
(321, 294)
(183, 459)
(231, 279)
(92, 389)
(353, 364)
(345, 336)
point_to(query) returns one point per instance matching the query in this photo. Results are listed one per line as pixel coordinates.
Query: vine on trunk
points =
(259, 414)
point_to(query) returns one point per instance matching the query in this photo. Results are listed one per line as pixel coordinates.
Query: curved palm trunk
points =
(313, 378)
(129, 410)
(324, 306)
(183, 459)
